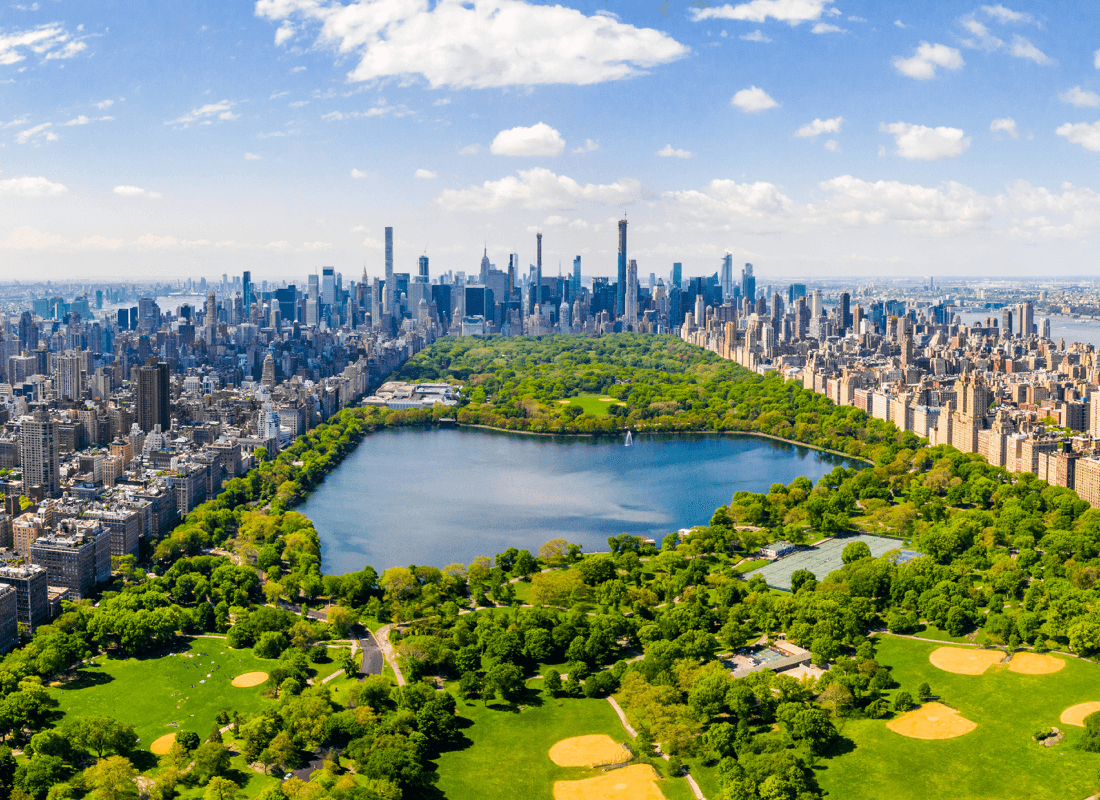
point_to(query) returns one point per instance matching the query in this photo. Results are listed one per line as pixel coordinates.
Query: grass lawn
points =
(505, 752)
(930, 631)
(594, 404)
(749, 566)
(150, 694)
(997, 760)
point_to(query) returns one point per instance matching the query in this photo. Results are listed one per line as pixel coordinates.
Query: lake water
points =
(438, 496)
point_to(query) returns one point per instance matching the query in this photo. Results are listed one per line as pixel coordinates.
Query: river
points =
(437, 496)
(1086, 331)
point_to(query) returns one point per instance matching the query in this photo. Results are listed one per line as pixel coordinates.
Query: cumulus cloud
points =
(1007, 125)
(793, 12)
(358, 173)
(589, 146)
(470, 150)
(755, 36)
(1082, 98)
(819, 126)
(1007, 16)
(753, 100)
(424, 174)
(728, 204)
(668, 152)
(921, 143)
(479, 43)
(898, 23)
(284, 34)
(1083, 133)
(537, 140)
(50, 41)
(825, 27)
(137, 191)
(81, 120)
(536, 189)
(857, 202)
(1022, 48)
(37, 132)
(28, 186)
(833, 146)
(252, 157)
(205, 115)
(923, 63)
(104, 104)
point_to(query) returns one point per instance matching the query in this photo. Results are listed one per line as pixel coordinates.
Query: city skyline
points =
(813, 138)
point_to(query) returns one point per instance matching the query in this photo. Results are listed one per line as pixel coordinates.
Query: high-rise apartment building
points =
(620, 292)
(70, 376)
(816, 308)
(152, 396)
(538, 267)
(32, 600)
(388, 298)
(575, 285)
(38, 441)
(727, 277)
(246, 287)
(328, 285)
(631, 312)
(677, 274)
(748, 282)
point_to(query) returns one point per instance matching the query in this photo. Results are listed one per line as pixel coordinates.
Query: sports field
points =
(594, 404)
(507, 752)
(181, 691)
(821, 559)
(995, 759)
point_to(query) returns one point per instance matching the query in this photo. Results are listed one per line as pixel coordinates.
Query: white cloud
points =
(728, 204)
(299, 103)
(922, 64)
(537, 140)
(793, 12)
(358, 173)
(755, 36)
(825, 27)
(277, 95)
(1083, 133)
(921, 143)
(425, 174)
(1006, 125)
(381, 110)
(37, 131)
(297, 69)
(443, 101)
(536, 189)
(1096, 59)
(1007, 16)
(206, 114)
(753, 100)
(1022, 48)
(983, 39)
(81, 120)
(833, 146)
(856, 19)
(252, 157)
(50, 41)
(137, 191)
(856, 202)
(105, 104)
(900, 24)
(483, 43)
(470, 150)
(27, 186)
(284, 34)
(668, 152)
(589, 146)
(1082, 98)
(819, 126)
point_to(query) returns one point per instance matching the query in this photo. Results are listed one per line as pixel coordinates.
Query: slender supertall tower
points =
(631, 298)
(387, 307)
(620, 290)
(538, 268)
(513, 265)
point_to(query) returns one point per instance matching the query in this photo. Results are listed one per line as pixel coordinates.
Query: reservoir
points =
(437, 496)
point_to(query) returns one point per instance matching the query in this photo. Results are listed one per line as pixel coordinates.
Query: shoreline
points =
(676, 433)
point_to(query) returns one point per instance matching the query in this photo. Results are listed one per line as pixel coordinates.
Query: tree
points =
(221, 789)
(854, 552)
(554, 552)
(188, 740)
(803, 577)
(211, 758)
(923, 691)
(1091, 742)
(903, 701)
(525, 565)
(839, 695)
(552, 684)
(504, 680)
(37, 775)
(112, 778)
(103, 735)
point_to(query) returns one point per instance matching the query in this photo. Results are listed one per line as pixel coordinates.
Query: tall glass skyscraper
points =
(620, 292)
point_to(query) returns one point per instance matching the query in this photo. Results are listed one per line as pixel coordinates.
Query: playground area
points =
(820, 559)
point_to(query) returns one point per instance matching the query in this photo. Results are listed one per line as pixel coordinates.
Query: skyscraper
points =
(816, 308)
(422, 275)
(748, 282)
(631, 298)
(485, 266)
(513, 265)
(677, 274)
(70, 376)
(387, 300)
(246, 286)
(38, 442)
(538, 269)
(575, 287)
(313, 301)
(620, 292)
(328, 285)
(844, 311)
(211, 310)
(152, 396)
(727, 276)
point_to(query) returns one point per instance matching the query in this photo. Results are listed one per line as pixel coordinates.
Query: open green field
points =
(506, 749)
(996, 760)
(593, 404)
(152, 694)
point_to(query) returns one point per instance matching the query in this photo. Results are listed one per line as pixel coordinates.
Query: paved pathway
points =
(633, 734)
(388, 652)
(372, 659)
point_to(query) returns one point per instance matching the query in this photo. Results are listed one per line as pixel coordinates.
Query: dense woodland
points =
(1007, 560)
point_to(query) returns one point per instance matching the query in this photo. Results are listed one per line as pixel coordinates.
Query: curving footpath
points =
(633, 734)
(383, 636)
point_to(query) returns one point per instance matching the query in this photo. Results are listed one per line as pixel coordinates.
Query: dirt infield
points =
(161, 746)
(964, 661)
(1035, 664)
(1075, 715)
(249, 679)
(635, 782)
(589, 751)
(931, 721)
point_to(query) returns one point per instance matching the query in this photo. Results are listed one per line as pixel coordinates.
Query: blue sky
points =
(812, 137)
